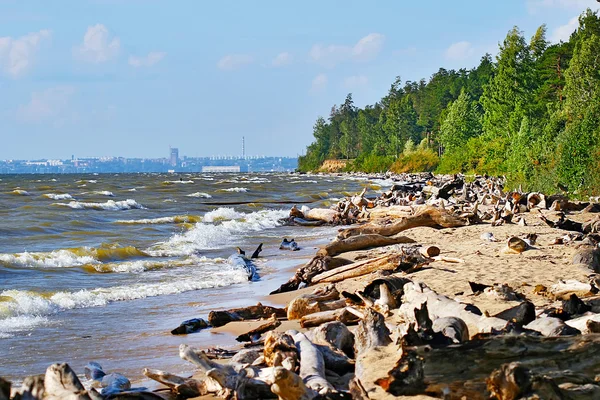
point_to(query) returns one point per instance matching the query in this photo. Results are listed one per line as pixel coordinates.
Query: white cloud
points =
(318, 83)
(234, 61)
(282, 59)
(368, 47)
(356, 81)
(365, 49)
(460, 51)
(49, 104)
(98, 46)
(563, 32)
(535, 6)
(17, 54)
(152, 58)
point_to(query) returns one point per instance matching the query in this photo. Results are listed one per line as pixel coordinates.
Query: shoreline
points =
(464, 256)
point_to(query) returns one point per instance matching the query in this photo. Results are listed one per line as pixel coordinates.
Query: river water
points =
(102, 267)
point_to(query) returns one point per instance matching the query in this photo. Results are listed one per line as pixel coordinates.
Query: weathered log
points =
(306, 222)
(255, 333)
(314, 302)
(550, 326)
(461, 371)
(289, 386)
(428, 216)
(180, 386)
(316, 319)
(440, 306)
(312, 365)
(335, 334)
(312, 268)
(335, 360)
(220, 318)
(410, 259)
(278, 347)
(33, 388)
(323, 214)
(371, 338)
(361, 242)
(224, 379)
(111, 383)
(589, 257)
(61, 382)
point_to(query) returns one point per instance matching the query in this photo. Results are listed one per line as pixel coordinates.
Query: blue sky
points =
(133, 77)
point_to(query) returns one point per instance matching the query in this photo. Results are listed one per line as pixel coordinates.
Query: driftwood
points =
(224, 380)
(361, 242)
(321, 299)
(428, 216)
(326, 215)
(410, 259)
(461, 371)
(190, 326)
(254, 334)
(61, 382)
(279, 347)
(33, 388)
(289, 386)
(335, 334)
(180, 386)
(220, 318)
(314, 267)
(372, 340)
(342, 315)
(440, 306)
(312, 365)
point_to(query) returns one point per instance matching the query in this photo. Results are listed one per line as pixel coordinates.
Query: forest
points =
(532, 115)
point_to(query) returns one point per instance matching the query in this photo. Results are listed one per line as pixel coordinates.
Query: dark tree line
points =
(532, 114)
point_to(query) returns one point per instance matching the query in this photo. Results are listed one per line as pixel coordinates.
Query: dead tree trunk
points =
(220, 318)
(428, 216)
(361, 242)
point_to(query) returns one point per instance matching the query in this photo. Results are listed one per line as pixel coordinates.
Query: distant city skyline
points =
(131, 78)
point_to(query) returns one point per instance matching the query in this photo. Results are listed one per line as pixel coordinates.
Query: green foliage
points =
(532, 115)
(418, 160)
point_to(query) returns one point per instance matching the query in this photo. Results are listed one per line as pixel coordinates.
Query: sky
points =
(130, 78)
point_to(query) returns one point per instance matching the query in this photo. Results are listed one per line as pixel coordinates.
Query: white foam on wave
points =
(182, 181)
(104, 193)
(58, 196)
(54, 259)
(222, 214)
(200, 195)
(23, 309)
(109, 205)
(306, 181)
(12, 325)
(177, 219)
(235, 189)
(206, 235)
(139, 266)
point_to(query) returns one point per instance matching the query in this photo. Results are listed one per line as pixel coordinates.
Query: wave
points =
(73, 257)
(58, 196)
(234, 189)
(174, 182)
(177, 219)
(104, 193)
(109, 205)
(20, 192)
(199, 195)
(139, 266)
(206, 235)
(222, 214)
(22, 310)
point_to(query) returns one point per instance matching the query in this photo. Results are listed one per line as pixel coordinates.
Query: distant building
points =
(221, 168)
(174, 159)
